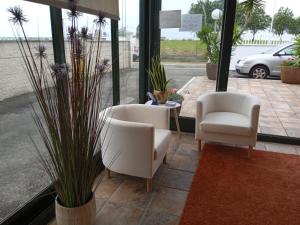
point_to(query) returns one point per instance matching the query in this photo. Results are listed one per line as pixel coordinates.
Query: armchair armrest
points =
(205, 104)
(253, 110)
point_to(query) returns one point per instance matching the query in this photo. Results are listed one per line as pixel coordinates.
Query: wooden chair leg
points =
(250, 149)
(107, 173)
(199, 145)
(165, 159)
(149, 184)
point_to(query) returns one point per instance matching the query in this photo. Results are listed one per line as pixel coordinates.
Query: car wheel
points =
(259, 72)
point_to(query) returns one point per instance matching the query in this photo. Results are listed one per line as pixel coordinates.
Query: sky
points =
(39, 18)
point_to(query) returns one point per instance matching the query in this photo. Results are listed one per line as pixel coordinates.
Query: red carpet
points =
(229, 189)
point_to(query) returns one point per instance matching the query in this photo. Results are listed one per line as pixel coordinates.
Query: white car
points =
(262, 65)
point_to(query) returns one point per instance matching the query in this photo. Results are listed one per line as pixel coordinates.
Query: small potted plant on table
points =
(174, 96)
(158, 80)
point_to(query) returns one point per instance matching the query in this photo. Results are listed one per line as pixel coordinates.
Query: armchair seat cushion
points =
(226, 123)
(161, 142)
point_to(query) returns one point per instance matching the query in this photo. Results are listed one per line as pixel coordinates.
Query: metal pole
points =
(271, 28)
(115, 61)
(226, 44)
(154, 31)
(144, 54)
(57, 35)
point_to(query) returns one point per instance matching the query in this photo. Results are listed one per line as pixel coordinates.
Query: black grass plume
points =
(18, 16)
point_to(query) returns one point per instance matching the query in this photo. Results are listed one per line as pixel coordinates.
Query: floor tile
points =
(119, 214)
(177, 179)
(100, 202)
(169, 200)
(108, 186)
(184, 162)
(188, 149)
(154, 217)
(132, 192)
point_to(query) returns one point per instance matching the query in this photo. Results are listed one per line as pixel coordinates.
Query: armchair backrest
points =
(158, 116)
(229, 102)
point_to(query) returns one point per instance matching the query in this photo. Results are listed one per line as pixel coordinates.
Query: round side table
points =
(174, 109)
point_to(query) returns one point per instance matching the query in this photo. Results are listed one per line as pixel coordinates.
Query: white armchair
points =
(227, 117)
(136, 140)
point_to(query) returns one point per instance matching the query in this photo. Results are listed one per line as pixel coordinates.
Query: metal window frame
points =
(57, 35)
(115, 61)
(144, 52)
(226, 44)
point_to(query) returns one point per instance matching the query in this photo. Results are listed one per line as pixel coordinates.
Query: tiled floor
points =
(280, 109)
(122, 200)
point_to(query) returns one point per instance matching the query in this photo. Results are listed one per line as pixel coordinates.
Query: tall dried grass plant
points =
(70, 98)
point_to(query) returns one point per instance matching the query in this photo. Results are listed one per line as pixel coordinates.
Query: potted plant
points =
(290, 70)
(158, 80)
(212, 41)
(70, 123)
(175, 97)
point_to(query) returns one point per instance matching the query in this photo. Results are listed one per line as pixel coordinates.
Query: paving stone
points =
(260, 146)
(281, 148)
(293, 132)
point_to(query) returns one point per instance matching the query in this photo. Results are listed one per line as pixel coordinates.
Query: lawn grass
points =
(189, 50)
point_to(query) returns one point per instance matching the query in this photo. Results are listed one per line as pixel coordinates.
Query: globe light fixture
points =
(216, 14)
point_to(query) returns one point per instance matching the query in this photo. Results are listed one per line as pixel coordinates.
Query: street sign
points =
(170, 19)
(191, 22)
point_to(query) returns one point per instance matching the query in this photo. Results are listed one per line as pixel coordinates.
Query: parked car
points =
(136, 50)
(262, 65)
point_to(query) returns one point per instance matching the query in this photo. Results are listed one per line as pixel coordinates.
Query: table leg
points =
(177, 122)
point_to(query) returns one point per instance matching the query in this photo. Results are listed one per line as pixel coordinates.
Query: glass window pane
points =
(21, 175)
(185, 53)
(129, 51)
(255, 66)
(88, 21)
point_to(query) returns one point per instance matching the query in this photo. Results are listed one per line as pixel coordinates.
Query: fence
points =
(263, 42)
